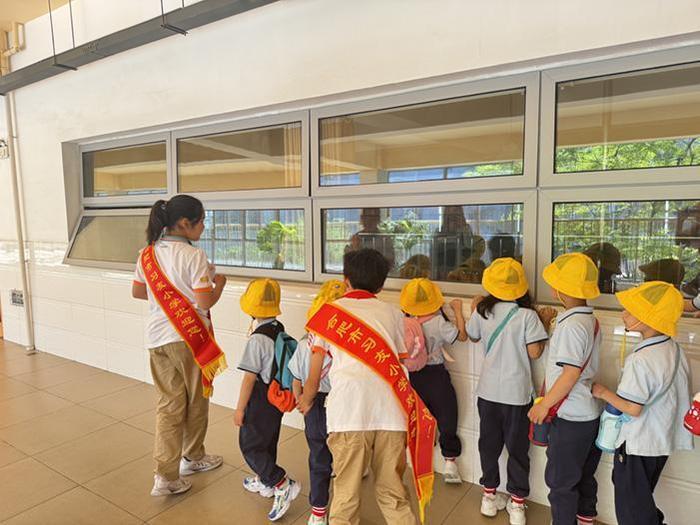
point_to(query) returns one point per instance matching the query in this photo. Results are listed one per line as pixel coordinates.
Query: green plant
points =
(407, 231)
(273, 239)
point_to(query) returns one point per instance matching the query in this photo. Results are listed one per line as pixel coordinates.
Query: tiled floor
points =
(75, 448)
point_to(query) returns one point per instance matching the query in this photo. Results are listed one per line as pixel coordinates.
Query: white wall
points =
(284, 52)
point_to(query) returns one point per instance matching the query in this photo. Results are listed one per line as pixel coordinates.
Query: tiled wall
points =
(89, 316)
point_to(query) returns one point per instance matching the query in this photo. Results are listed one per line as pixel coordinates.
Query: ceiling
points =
(24, 10)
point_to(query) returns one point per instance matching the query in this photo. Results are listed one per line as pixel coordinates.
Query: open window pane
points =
(644, 119)
(132, 170)
(255, 238)
(110, 238)
(253, 159)
(446, 243)
(476, 136)
(632, 242)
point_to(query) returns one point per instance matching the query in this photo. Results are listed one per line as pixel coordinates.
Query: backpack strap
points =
(673, 378)
(270, 329)
(500, 328)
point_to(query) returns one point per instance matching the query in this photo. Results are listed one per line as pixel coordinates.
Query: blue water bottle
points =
(610, 426)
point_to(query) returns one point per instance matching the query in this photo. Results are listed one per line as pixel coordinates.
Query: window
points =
(271, 239)
(633, 241)
(643, 119)
(446, 243)
(130, 170)
(467, 137)
(263, 158)
(114, 239)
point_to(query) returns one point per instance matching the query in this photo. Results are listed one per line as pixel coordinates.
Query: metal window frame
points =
(619, 66)
(528, 198)
(549, 197)
(529, 81)
(249, 123)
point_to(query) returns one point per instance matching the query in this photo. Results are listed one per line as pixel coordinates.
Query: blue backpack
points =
(279, 392)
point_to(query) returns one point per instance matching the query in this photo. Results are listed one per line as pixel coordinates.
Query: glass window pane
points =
(133, 170)
(633, 242)
(645, 119)
(252, 159)
(446, 243)
(477, 136)
(110, 238)
(255, 238)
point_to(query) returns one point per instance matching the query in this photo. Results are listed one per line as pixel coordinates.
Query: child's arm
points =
(243, 397)
(560, 389)
(138, 290)
(297, 389)
(456, 305)
(313, 381)
(607, 395)
(206, 300)
(534, 350)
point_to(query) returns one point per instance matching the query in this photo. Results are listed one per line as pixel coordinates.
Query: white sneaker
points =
(283, 499)
(163, 487)
(253, 484)
(207, 462)
(317, 520)
(587, 522)
(492, 503)
(451, 474)
(516, 512)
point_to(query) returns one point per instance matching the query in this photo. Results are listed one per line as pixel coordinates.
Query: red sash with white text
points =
(345, 331)
(182, 315)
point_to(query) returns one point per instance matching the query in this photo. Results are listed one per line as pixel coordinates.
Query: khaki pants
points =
(386, 452)
(182, 414)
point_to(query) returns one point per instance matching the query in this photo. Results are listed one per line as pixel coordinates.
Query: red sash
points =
(182, 315)
(350, 334)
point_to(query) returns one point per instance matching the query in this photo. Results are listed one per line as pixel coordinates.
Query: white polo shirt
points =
(658, 430)
(438, 332)
(187, 268)
(506, 376)
(300, 364)
(359, 399)
(572, 342)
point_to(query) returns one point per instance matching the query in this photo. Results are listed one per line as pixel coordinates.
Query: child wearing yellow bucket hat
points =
(259, 420)
(654, 394)
(512, 332)
(315, 428)
(422, 300)
(572, 363)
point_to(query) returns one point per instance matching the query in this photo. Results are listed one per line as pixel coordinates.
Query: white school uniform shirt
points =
(259, 354)
(572, 342)
(187, 268)
(438, 332)
(506, 376)
(360, 400)
(658, 430)
(300, 364)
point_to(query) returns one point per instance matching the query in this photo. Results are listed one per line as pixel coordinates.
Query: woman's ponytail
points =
(167, 214)
(157, 221)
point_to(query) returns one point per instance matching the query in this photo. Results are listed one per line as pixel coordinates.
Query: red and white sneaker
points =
(692, 418)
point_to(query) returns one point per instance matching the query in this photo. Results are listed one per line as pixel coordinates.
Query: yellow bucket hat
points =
(657, 304)
(421, 297)
(573, 274)
(330, 291)
(261, 298)
(505, 279)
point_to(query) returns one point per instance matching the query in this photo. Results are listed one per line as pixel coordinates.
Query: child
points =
(260, 421)
(320, 459)
(572, 457)
(423, 299)
(655, 392)
(508, 324)
(365, 417)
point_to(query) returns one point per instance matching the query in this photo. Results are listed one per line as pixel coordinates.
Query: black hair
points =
(485, 307)
(502, 245)
(366, 269)
(165, 214)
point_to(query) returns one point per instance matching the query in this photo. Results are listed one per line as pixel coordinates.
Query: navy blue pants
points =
(435, 388)
(507, 425)
(572, 459)
(259, 435)
(320, 459)
(635, 478)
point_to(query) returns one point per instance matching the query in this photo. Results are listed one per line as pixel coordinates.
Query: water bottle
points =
(539, 433)
(610, 426)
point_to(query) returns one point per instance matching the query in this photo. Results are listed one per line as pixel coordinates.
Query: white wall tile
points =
(126, 360)
(88, 320)
(117, 296)
(52, 313)
(123, 328)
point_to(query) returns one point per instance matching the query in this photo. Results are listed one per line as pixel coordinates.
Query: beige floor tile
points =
(75, 507)
(98, 453)
(468, 511)
(9, 454)
(97, 385)
(30, 363)
(222, 439)
(10, 351)
(293, 456)
(225, 502)
(55, 375)
(126, 403)
(51, 430)
(10, 388)
(129, 487)
(29, 406)
(27, 483)
(218, 413)
(147, 420)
